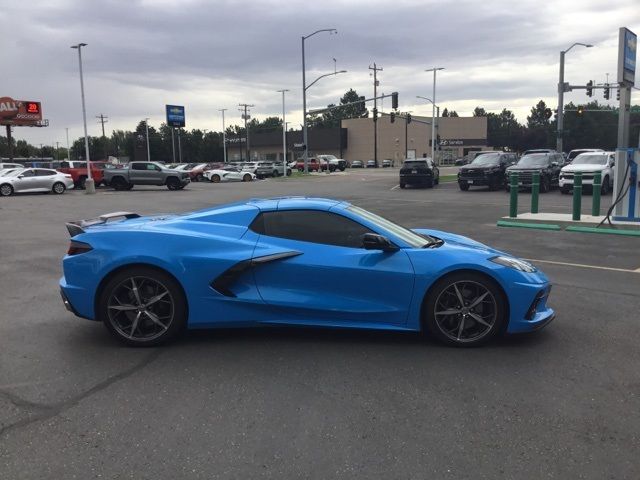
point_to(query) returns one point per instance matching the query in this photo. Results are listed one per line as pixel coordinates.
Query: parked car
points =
(356, 164)
(315, 164)
(338, 163)
(278, 169)
(5, 165)
(574, 153)
(371, 164)
(305, 259)
(486, 170)
(145, 173)
(27, 180)
(546, 164)
(229, 174)
(420, 172)
(7, 171)
(386, 163)
(78, 171)
(588, 164)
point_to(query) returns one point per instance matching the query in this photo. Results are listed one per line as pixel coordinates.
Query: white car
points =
(229, 174)
(588, 164)
(5, 165)
(8, 170)
(27, 180)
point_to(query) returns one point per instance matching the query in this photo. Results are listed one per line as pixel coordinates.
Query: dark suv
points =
(421, 171)
(486, 169)
(547, 164)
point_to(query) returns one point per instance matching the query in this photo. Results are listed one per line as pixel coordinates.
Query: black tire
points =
(507, 187)
(545, 184)
(199, 177)
(301, 170)
(275, 173)
(494, 184)
(605, 188)
(173, 183)
(565, 190)
(81, 184)
(429, 183)
(492, 309)
(215, 178)
(117, 292)
(58, 188)
(6, 190)
(119, 183)
(463, 186)
(289, 172)
(129, 187)
(246, 177)
(342, 169)
(402, 185)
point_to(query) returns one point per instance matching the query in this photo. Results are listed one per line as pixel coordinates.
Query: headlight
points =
(514, 263)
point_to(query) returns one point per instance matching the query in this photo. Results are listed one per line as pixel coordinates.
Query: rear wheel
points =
(199, 177)
(565, 190)
(545, 184)
(119, 183)
(173, 183)
(247, 178)
(81, 183)
(6, 189)
(465, 309)
(215, 178)
(275, 173)
(58, 188)
(142, 306)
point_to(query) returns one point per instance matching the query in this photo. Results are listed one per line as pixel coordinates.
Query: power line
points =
(102, 119)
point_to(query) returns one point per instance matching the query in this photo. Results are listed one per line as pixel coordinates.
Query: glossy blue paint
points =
(323, 286)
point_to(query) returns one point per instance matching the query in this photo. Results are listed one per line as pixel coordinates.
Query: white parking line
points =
(581, 265)
(393, 188)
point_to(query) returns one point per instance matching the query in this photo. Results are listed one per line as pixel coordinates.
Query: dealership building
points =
(354, 140)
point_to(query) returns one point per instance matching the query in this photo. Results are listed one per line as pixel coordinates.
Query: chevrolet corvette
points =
(294, 261)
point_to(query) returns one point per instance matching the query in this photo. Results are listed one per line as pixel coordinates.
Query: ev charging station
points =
(626, 198)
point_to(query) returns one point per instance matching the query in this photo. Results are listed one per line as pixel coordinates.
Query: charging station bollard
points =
(577, 195)
(513, 199)
(597, 187)
(535, 192)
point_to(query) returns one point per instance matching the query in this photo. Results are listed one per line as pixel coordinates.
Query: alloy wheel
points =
(140, 309)
(465, 311)
(6, 190)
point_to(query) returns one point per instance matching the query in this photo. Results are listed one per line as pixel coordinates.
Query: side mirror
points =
(613, 163)
(373, 241)
(20, 176)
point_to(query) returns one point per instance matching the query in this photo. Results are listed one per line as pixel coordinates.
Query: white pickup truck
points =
(588, 164)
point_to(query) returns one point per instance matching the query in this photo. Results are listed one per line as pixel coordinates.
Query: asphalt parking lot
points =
(296, 403)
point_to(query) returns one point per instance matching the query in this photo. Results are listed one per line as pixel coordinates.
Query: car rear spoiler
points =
(77, 227)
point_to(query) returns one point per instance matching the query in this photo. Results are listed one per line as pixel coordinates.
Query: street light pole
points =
(224, 136)
(89, 183)
(284, 135)
(305, 153)
(68, 151)
(146, 126)
(433, 112)
(560, 118)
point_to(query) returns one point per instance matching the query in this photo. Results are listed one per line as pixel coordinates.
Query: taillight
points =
(75, 248)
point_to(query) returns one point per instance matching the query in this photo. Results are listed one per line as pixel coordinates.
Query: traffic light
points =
(408, 118)
(375, 114)
(590, 88)
(392, 115)
(618, 94)
(394, 100)
(607, 93)
(580, 109)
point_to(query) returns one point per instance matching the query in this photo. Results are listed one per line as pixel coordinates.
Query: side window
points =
(152, 167)
(138, 166)
(311, 226)
(44, 173)
(27, 173)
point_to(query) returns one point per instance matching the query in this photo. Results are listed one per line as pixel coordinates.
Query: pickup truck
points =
(78, 172)
(145, 173)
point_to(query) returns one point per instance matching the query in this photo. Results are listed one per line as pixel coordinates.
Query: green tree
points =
(479, 112)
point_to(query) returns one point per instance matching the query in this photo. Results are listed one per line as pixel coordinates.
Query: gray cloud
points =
(213, 54)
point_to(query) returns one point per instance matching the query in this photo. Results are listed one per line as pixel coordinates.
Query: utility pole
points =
(375, 69)
(68, 150)
(173, 144)
(433, 113)
(224, 135)
(284, 135)
(179, 147)
(146, 126)
(245, 116)
(102, 119)
(57, 150)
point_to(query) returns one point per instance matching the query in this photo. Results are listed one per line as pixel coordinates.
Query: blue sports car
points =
(294, 261)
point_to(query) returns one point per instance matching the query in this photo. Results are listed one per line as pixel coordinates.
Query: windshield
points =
(533, 160)
(412, 238)
(590, 159)
(487, 159)
(574, 153)
(416, 163)
(14, 173)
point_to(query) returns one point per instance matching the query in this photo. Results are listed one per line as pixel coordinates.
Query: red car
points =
(315, 165)
(78, 171)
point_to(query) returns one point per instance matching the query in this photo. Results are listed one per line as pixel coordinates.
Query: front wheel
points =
(215, 178)
(142, 306)
(58, 188)
(119, 183)
(545, 184)
(604, 189)
(247, 178)
(173, 183)
(81, 184)
(465, 309)
(463, 186)
(6, 190)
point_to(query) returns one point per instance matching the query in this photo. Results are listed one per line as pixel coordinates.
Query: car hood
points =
(458, 241)
(517, 168)
(478, 167)
(583, 167)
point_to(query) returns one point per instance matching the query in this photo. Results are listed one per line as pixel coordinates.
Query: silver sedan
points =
(26, 180)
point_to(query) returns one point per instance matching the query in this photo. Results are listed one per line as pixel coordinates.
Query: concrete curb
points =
(539, 226)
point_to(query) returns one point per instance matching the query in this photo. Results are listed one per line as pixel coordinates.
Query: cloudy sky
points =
(212, 54)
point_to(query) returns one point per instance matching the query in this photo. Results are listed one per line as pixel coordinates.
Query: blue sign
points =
(175, 116)
(630, 47)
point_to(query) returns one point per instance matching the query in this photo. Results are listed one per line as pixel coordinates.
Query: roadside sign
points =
(20, 112)
(627, 48)
(175, 116)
